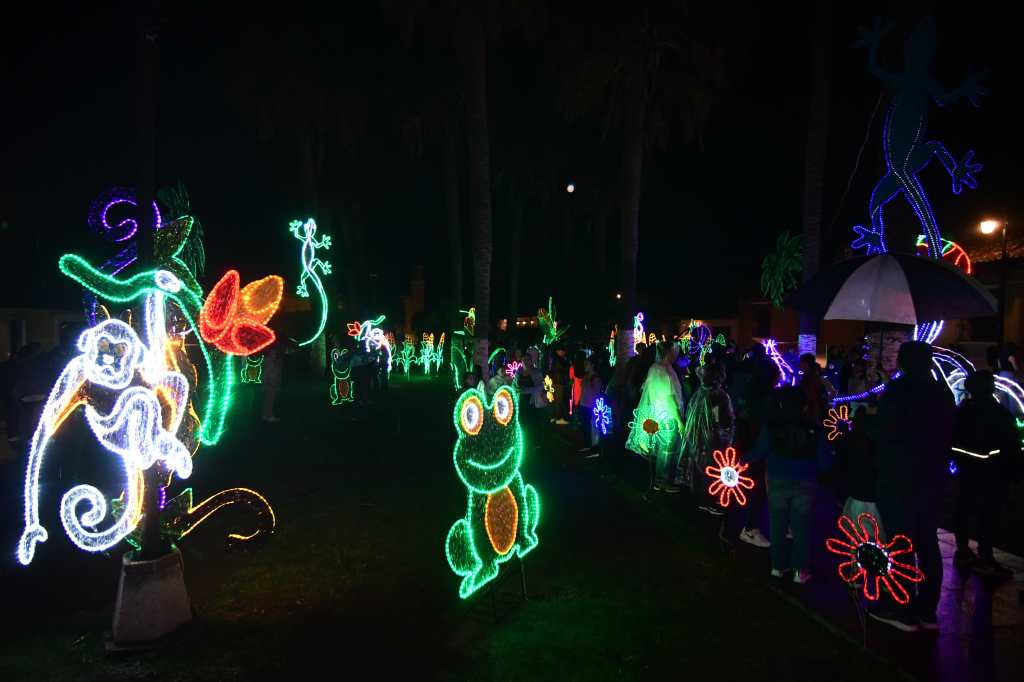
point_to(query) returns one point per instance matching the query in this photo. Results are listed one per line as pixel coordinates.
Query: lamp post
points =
(988, 227)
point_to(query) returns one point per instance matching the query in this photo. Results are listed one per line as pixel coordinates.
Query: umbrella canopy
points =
(894, 288)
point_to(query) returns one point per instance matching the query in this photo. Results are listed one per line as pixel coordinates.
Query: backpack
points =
(794, 438)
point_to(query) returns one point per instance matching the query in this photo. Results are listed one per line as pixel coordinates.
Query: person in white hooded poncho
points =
(656, 429)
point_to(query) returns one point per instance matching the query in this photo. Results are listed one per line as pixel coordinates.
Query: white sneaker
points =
(776, 573)
(789, 533)
(754, 537)
(561, 422)
(801, 577)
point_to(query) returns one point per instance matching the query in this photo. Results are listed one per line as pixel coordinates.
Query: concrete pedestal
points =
(151, 599)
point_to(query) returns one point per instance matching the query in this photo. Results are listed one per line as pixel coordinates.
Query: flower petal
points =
(746, 482)
(895, 589)
(259, 300)
(246, 338)
(900, 544)
(715, 486)
(839, 547)
(719, 459)
(850, 571)
(220, 307)
(869, 527)
(850, 530)
(741, 498)
(871, 586)
(911, 573)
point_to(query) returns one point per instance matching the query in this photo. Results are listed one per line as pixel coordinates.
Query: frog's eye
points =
(503, 408)
(471, 415)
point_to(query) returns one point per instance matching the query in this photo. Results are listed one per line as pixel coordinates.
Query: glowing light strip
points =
(111, 355)
(978, 455)
(305, 232)
(220, 367)
(499, 506)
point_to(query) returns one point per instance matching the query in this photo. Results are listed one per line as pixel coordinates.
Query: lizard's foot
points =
(868, 239)
(459, 550)
(963, 174)
(473, 582)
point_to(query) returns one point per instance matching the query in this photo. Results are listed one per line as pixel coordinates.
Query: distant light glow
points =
(989, 226)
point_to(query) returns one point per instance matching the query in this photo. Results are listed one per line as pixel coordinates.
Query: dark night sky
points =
(708, 215)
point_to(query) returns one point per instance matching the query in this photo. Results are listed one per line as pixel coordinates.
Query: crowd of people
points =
(893, 458)
(676, 406)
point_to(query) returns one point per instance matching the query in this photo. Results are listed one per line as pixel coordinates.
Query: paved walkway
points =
(981, 635)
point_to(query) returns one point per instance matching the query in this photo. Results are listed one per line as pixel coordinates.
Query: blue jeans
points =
(789, 506)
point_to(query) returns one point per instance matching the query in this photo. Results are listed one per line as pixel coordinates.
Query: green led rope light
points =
(304, 232)
(220, 366)
(501, 511)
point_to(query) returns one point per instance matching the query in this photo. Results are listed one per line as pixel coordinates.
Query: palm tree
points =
(291, 82)
(652, 73)
(471, 45)
(815, 150)
(471, 27)
(434, 120)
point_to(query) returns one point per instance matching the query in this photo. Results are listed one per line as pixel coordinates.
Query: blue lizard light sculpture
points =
(904, 147)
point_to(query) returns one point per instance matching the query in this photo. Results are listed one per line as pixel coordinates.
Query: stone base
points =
(151, 599)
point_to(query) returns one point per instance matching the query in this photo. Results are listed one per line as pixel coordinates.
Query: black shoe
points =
(990, 568)
(897, 619)
(964, 559)
(708, 509)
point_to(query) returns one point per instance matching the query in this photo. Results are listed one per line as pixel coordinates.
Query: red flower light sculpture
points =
(235, 321)
(873, 561)
(727, 479)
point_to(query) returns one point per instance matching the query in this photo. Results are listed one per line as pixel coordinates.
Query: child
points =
(796, 452)
(655, 431)
(590, 389)
(710, 426)
(855, 463)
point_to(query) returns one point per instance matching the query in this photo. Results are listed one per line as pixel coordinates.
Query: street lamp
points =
(989, 227)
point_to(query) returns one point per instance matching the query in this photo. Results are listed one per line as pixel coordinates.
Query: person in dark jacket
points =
(559, 373)
(914, 433)
(796, 453)
(855, 465)
(986, 450)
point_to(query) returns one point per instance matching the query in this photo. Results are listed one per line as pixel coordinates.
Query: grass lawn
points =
(355, 584)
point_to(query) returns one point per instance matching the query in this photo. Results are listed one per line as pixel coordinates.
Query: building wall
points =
(19, 326)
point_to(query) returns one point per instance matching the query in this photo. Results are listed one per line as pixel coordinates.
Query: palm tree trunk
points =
(452, 200)
(632, 184)
(814, 160)
(512, 253)
(473, 54)
(153, 544)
